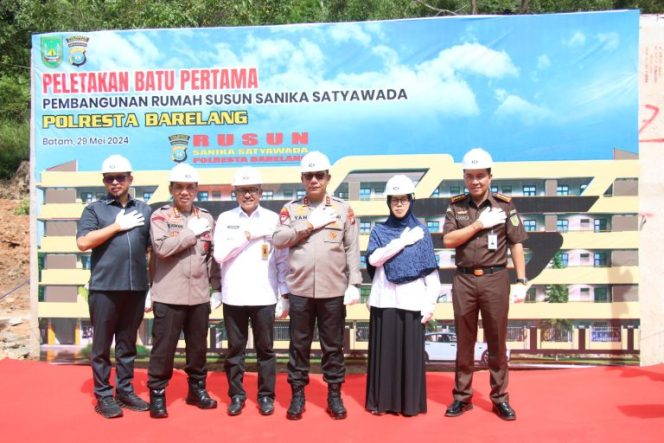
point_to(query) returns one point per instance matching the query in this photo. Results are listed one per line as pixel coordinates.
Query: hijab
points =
(414, 261)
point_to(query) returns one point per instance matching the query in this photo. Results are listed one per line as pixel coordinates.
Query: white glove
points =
(491, 217)
(518, 293)
(427, 312)
(215, 300)
(260, 231)
(129, 220)
(410, 236)
(148, 302)
(352, 295)
(281, 309)
(198, 225)
(322, 216)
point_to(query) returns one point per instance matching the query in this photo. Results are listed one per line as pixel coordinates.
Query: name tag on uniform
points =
(265, 251)
(492, 241)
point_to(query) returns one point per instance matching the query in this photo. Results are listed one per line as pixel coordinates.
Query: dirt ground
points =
(15, 331)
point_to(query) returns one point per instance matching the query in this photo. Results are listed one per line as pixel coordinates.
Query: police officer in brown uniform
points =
(184, 270)
(324, 258)
(481, 226)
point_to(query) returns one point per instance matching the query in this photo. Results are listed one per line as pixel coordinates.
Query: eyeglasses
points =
(244, 191)
(109, 179)
(320, 175)
(399, 201)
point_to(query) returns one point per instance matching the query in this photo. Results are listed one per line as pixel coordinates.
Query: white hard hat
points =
(314, 161)
(115, 163)
(247, 176)
(183, 173)
(477, 158)
(399, 185)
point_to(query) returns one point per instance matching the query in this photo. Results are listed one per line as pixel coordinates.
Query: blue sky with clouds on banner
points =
(549, 87)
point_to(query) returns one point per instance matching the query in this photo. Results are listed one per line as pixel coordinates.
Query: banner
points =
(549, 87)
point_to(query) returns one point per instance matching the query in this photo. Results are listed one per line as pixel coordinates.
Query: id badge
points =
(265, 251)
(492, 242)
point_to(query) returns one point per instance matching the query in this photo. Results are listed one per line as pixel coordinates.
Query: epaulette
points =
(458, 198)
(502, 197)
(202, 209)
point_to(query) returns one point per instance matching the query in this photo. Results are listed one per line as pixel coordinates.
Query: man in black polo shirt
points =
(115, 229)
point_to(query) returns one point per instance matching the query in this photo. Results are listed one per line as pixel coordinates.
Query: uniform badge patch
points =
(351, 216)
(515, 220)
(284, 216)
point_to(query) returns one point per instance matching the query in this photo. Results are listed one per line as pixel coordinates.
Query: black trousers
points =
(330, 315)
(114, 314)
(169, 322)
(236, 322)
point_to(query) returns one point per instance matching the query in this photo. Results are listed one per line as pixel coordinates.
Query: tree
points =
(556, 293)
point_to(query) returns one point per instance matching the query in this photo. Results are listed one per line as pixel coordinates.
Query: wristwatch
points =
(523, 281)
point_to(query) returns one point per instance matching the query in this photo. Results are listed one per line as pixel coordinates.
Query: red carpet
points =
(43, 402)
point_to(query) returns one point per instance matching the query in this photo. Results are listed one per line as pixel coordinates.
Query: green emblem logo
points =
(51, 50)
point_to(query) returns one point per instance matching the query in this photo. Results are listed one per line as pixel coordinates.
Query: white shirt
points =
(253, 272)
(417, 295)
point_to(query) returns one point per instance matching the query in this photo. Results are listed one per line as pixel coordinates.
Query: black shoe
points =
(199, 396)
(235, 408)
(457, 408)
(296, 407)
(266, 405)
(504, 411)
(131, 401)
(335, 406)
(158, 403)
(108, 407)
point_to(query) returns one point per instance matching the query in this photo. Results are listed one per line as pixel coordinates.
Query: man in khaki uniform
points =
(183, 272)
(321, 233)
(482, 226)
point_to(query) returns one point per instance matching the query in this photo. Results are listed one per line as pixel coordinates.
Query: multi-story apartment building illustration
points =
(582, 217)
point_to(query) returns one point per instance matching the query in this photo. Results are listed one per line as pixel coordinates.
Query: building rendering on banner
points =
(582, 251)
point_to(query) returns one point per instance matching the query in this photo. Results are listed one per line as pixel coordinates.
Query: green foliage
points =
(141, 352)
(23, 208)
(556, 293)
(14, 142)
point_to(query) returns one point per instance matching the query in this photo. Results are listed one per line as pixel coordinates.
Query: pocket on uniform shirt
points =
(333, 235)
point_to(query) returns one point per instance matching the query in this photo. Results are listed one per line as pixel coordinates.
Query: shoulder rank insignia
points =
(503, 197)
(458, 198)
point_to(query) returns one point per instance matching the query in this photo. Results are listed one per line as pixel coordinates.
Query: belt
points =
(478, 272)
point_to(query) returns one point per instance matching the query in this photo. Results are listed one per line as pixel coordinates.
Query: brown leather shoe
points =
(457, 408)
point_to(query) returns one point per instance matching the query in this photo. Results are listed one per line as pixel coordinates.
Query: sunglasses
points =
(320, 175)
(108, 179)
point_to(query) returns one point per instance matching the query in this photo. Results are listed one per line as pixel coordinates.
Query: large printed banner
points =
(550, 87)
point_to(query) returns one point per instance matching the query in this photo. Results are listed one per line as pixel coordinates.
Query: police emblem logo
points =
(179, 145)
(515, 220)
(51, 50)
(332, 235)
(78, 45)
(284, 216)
